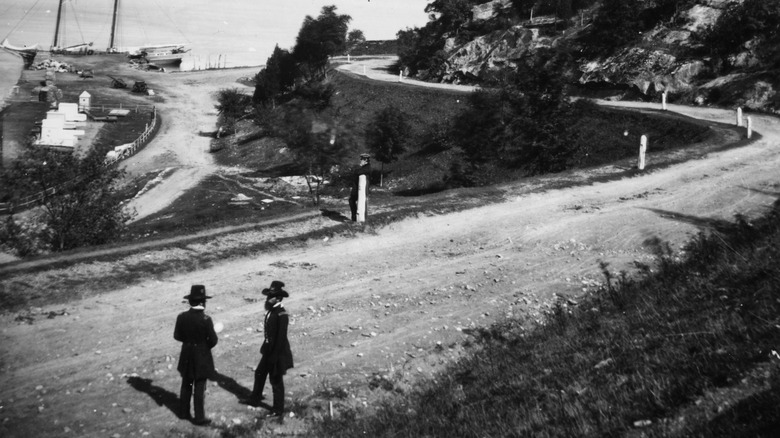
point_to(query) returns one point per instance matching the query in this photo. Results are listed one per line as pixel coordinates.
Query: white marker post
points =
(749, 127)
(400, 76)
(642, 150)
(663, 101)
(362, 201)
(348, 61)
(739, 116)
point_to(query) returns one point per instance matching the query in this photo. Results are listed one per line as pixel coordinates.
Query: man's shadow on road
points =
(334, 215)
(160, 395)
(241, 392)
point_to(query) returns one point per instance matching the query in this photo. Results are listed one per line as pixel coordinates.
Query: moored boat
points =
(26, 52)
(163, 54)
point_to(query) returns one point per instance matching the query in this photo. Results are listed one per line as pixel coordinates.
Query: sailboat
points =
(163, 54)
(76, 49)
(26, 52)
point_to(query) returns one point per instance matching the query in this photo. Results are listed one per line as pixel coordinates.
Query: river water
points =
(219, 33)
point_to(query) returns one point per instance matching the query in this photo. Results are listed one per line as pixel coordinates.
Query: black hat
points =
(276, 290)
(365, 157)
(197, 292)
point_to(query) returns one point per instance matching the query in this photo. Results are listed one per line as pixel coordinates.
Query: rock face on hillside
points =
(653, 66)
(647, 71)
(480, 58)
(660, 62)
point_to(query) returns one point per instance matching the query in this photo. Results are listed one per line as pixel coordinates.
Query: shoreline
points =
(11, 66)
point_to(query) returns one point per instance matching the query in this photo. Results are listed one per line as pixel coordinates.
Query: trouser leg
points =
(200, 398)
(353, 207)
(277, 384)
(184, 398)
(261, 373)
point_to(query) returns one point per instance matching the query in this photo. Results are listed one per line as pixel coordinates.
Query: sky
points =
(32, 21)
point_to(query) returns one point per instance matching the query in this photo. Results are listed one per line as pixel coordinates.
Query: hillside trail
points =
(397, 301)
(179, 153)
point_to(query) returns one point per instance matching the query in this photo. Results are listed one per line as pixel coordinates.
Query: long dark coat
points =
(276, 347)
(195, 330)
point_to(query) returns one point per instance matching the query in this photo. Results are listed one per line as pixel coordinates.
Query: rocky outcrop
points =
(488, 54)
(646, 70)
(659, 62)
(486, 11)
(653, 66)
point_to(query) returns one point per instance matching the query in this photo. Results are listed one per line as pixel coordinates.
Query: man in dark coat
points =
(195, 330)
(365, 169)
(276, 356)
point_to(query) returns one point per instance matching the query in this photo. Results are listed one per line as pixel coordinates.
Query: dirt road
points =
(179, 150)
(395, 302)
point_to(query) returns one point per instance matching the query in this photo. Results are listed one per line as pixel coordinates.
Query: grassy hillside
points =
(431, 112)
(688, 349)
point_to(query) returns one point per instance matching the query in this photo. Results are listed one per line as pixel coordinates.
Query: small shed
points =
(85, 102)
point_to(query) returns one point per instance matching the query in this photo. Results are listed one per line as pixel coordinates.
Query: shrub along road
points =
(397, 303)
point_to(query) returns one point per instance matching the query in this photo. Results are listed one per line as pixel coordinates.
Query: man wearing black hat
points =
(365, 169)
(276, 356)
(195, 330)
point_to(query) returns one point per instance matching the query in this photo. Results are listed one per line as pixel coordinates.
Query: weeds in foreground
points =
(628, 357)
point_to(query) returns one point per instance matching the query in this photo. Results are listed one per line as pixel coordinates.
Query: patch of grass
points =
(423, 168)
(623, 361)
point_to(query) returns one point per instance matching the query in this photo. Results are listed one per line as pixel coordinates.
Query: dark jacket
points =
(195, 330)
(276, 347)
(362, 170)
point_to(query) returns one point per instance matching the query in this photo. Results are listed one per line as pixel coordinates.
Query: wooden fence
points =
(135, 146)
(138, 144)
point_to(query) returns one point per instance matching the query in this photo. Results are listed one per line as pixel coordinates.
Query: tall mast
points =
(113, 26)
(57, 29)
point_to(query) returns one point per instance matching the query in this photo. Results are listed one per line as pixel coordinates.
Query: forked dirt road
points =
(395, 301)
(179, 150)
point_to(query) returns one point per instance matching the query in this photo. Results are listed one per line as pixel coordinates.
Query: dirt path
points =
(395, 302)
(178, 149)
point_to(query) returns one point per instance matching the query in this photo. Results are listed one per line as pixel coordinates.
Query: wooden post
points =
(739, 116)
(400, 76)
(642, 150)
(362, 202)
(749, 127)
(348, 61)
(663, 101)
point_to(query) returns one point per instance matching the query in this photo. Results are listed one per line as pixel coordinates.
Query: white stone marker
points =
(642, 150)
(739, 116)
(749, 127)
(400, 76)
(362, 203)
(663, 101)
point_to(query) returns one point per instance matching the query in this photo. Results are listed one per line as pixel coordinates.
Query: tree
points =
(525, 123)
(277, 78)
(451, 15)
(742, 22)
(616, 24)
(319, 39)
(318, 146)
(386, 136)
(231, 106)
(79, 201)
(355, 38)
